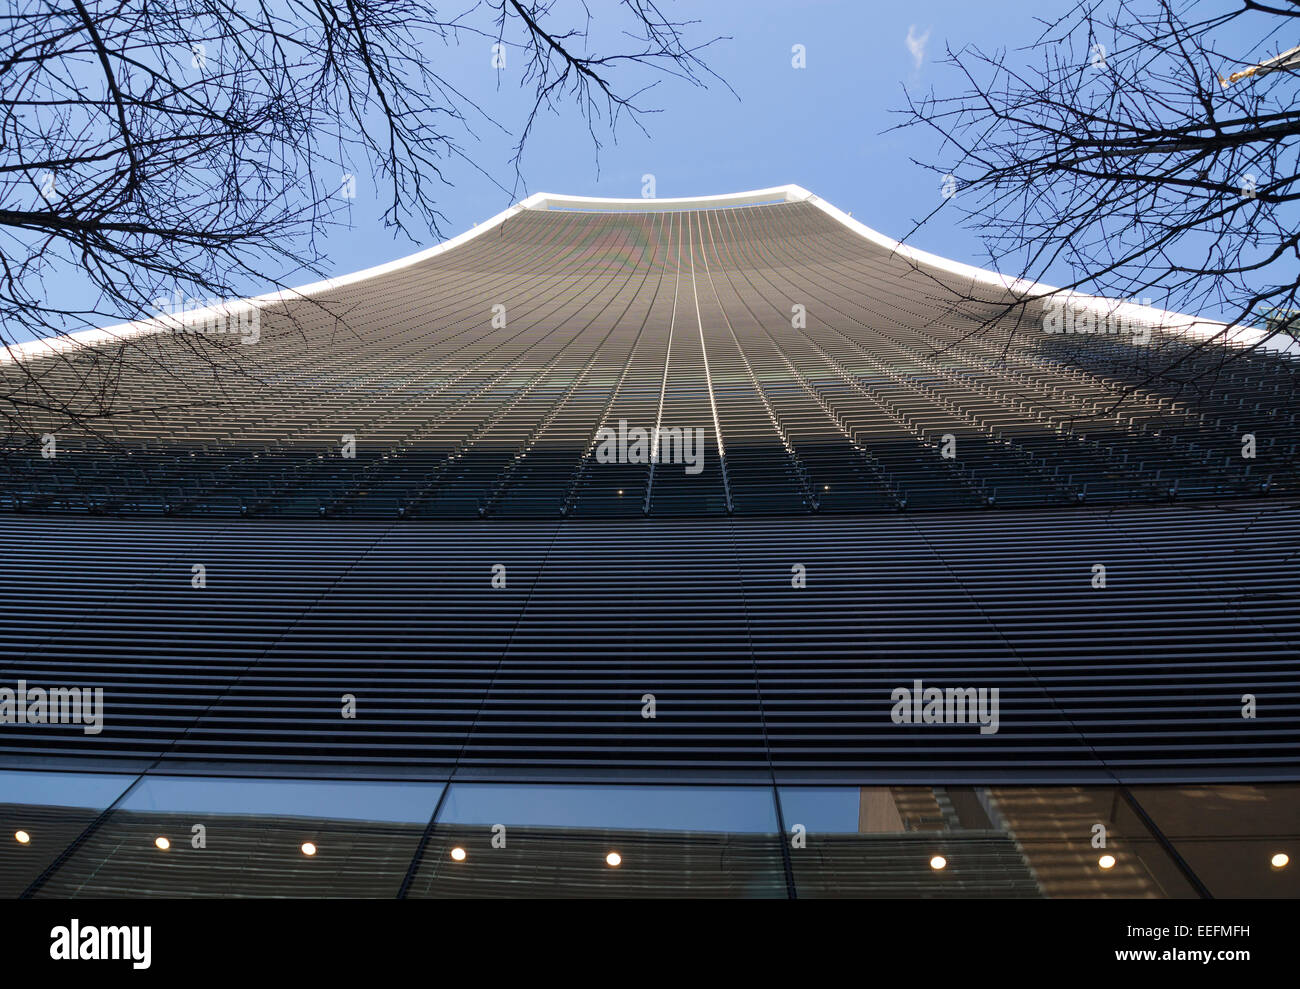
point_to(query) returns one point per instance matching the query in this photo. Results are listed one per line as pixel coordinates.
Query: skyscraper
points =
(718, 546)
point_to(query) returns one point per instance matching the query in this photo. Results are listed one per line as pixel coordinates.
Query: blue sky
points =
(826, 127)
(822, 127)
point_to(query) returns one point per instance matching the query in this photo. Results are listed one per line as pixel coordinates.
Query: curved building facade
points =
(722, 537)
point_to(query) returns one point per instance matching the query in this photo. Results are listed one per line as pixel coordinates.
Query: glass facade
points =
(104, 835)
(196, 837)
(42, 814)
(593, 841)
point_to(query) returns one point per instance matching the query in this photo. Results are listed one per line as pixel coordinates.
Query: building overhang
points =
(1165, 320)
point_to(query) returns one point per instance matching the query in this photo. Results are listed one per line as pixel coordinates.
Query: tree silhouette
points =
(1136, 147)
(154, 145)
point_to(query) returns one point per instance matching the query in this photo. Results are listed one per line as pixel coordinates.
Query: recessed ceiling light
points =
(1106, 861)
(162, 843)
(308, 848)
(1281, 860)
(613, 860)
(938, 862)
(458, 854)
(22, 837)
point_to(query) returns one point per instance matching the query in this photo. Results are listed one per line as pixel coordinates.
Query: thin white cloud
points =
(916, 44)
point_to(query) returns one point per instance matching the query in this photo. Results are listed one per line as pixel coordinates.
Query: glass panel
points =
(740, 809)
(1054, 825)
(41, 814)
(183, 837)
(249, 837)
(352, 801)
(1232, 836)
(524, 841)
(920, 841)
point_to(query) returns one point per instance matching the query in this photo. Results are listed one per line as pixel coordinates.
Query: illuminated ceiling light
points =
(162, 843)
(458, 854)
(620, 491)
(22, 837)
(1279, 861)
(938, 862)
(613, 860)
(308, 848)
(1106, 861)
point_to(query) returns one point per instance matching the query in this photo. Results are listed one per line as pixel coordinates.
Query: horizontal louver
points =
(1143, 678)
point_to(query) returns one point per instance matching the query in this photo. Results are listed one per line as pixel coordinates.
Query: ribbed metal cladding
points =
(823, 369)
(476, 448)
(1142, 679)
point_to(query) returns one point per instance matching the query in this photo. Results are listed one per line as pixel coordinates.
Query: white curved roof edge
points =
(550, 200)
(1114, 308)
(1149, 315)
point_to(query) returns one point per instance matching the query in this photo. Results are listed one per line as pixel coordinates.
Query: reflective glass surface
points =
(196, 837)
(920, 841)
(1235, 838)
(608, 841)
(735, 809)
(98, 835)
(41, 814)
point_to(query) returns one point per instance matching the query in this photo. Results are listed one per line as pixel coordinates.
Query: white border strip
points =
(779, 193)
